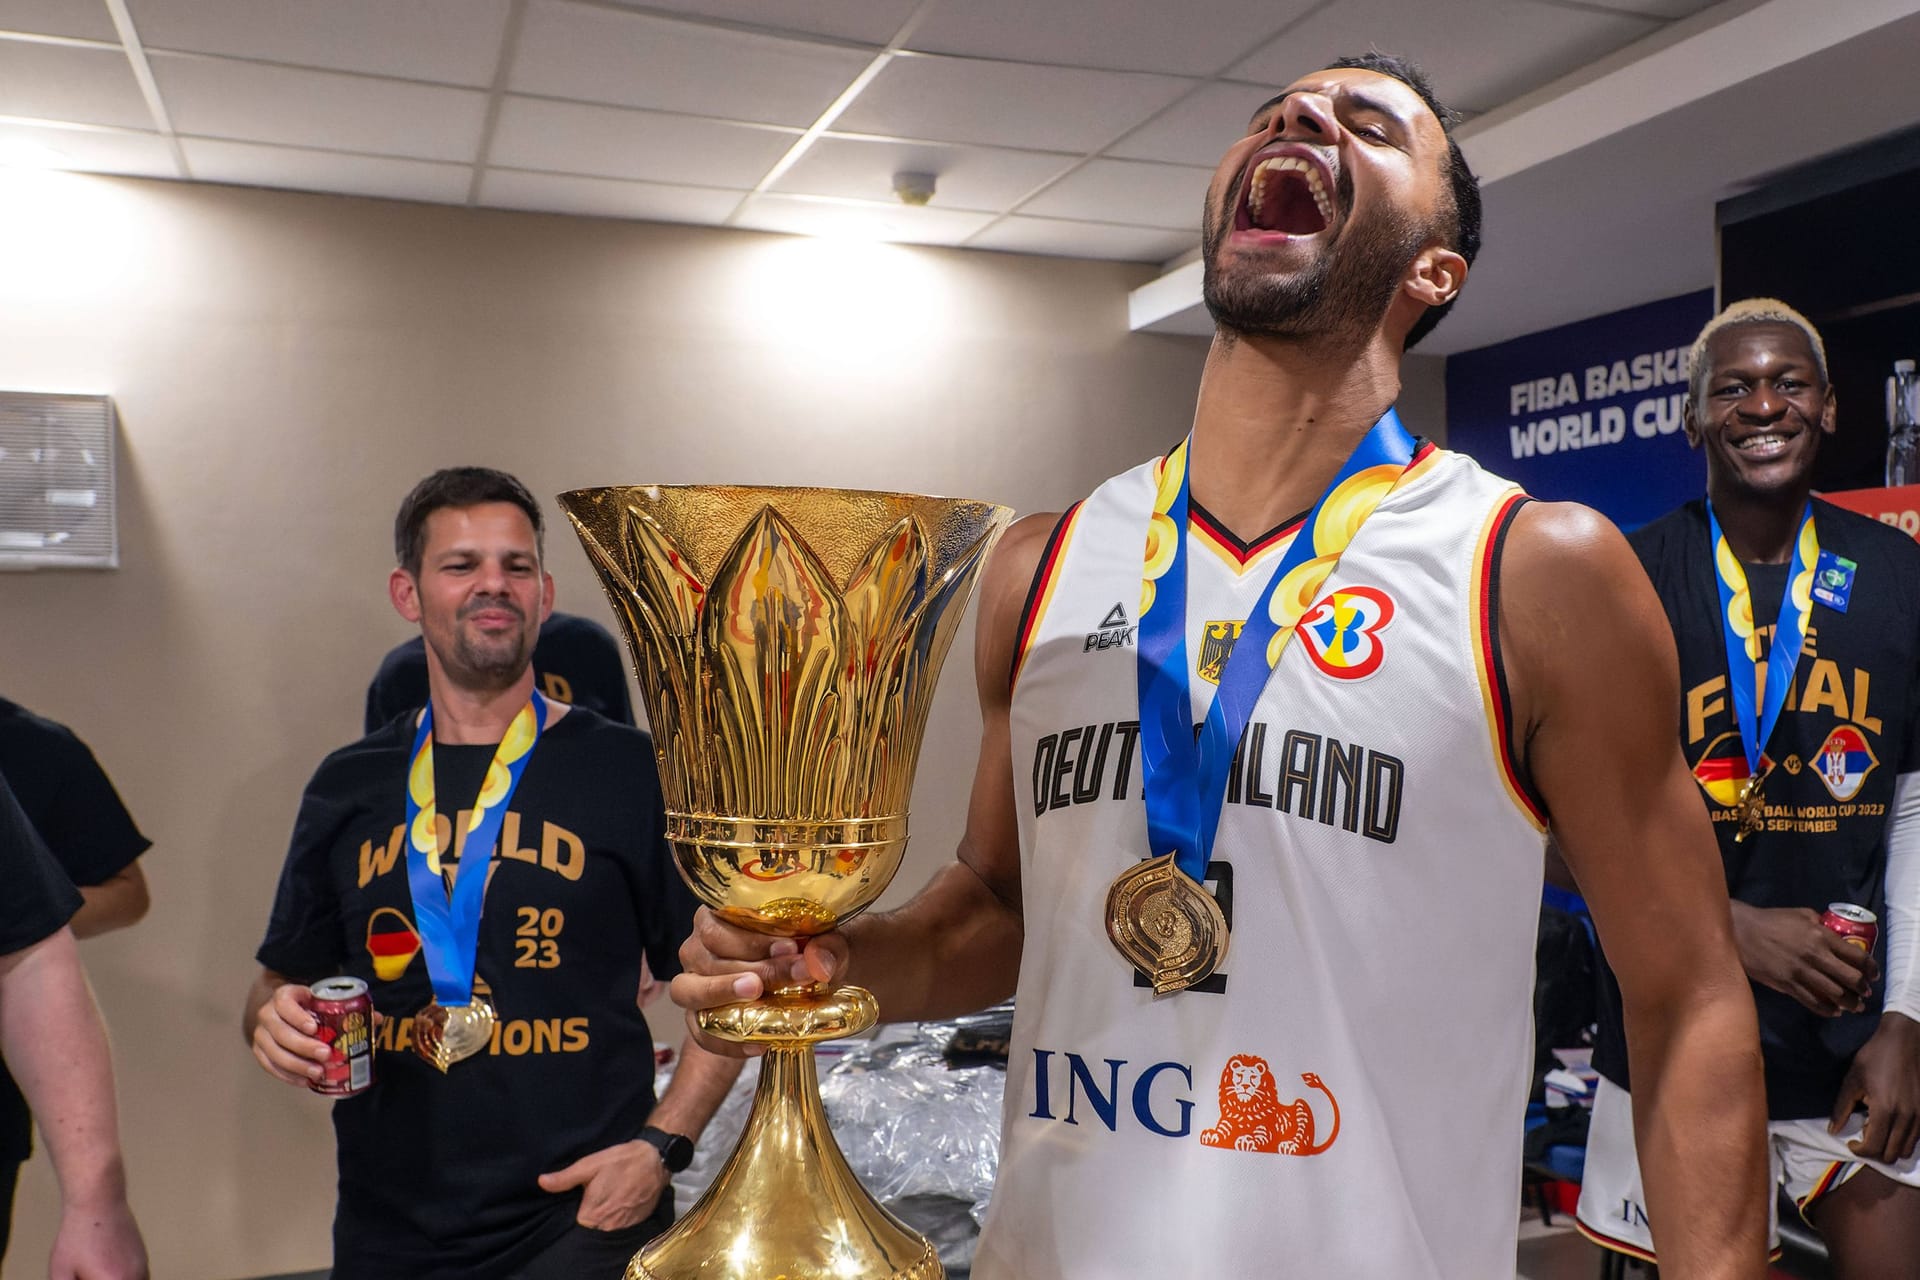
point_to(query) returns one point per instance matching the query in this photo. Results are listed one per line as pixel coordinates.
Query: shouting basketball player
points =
(1273, 978)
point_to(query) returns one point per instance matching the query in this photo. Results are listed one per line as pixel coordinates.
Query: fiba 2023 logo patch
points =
(1342, 632)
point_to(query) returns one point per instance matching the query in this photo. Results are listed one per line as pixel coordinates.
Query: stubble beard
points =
(479, 663)
(1343, 293)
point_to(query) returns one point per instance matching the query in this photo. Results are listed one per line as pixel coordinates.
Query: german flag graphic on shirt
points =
(1722, 769)
(392, 941)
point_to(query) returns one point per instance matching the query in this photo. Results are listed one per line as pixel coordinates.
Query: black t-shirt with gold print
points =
(438, 1172)
(1851, 725)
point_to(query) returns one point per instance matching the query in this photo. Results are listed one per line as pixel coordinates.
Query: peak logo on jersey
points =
(1114, 632)
(1216, 646)
(392, 942)
(1844, 761)
(1342, 632)
(1252, 1117)
(1722, 769)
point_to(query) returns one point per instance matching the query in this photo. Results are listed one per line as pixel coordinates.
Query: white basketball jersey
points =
(1346, 1096)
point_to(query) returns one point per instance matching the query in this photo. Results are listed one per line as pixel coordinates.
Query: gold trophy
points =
(786, 643)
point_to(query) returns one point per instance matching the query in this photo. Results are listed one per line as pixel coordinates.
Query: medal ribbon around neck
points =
(1186, 781)
(1743, 645)
(449, 923)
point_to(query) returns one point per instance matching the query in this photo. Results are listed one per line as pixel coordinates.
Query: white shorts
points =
(1802, 1156)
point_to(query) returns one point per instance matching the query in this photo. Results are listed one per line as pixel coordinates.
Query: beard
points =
(478, 661)
(1343, 292)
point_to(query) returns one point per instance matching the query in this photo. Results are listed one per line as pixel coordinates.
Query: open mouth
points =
(1287, 194)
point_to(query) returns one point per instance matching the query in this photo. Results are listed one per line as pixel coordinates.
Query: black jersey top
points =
(39, 899)
(1850, 726)
(437, 1172)
(575, 660)
(77, 814)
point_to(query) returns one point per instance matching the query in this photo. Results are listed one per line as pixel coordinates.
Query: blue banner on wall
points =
(1588, 412)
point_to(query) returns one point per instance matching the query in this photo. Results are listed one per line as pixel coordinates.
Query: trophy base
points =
(787, 1205)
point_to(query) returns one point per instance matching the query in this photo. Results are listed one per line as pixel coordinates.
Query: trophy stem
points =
(786, 1204)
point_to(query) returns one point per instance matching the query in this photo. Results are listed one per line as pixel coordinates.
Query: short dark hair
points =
(1462, 230)
(457, 487)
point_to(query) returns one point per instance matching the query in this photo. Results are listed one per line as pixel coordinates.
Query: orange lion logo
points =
(1252, 1118)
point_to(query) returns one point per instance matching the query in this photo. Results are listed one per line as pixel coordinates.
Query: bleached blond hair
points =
(1750, 311)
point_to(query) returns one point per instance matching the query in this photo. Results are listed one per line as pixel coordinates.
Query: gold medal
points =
(446, 1034)
(1165, 925)
(1747, 808)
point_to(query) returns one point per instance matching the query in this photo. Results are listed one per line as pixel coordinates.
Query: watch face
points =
(676, 1150)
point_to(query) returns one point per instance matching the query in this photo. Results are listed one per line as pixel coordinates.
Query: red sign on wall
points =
(1898, 507)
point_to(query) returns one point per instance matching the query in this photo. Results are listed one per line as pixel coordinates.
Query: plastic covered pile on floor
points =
(916, 1110)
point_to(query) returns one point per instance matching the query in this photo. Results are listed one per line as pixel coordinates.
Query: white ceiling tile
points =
(144, 155)
(605, 197)
(221, 98)
(60, 82)
(1478, 53)
(1132, 191)
(213, 160)
(1646, 8)
(1083, 240)
(609, 142)
(447, 41)
(1198, 129)
(867, 21)
(81, 19)
(632, 60)
(1195, 37)
(967, 177)
(1006, 103)
(860, 220)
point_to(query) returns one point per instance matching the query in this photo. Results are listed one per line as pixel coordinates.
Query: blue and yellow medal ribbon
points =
(449, 923)
(1186, 781)
(1743, 642)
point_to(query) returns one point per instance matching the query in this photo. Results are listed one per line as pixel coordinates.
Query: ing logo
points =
(1252, 1117)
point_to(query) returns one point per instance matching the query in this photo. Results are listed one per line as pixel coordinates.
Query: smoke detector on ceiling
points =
(914, 188)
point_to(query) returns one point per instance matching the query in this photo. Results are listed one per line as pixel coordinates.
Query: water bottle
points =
(1903, 425)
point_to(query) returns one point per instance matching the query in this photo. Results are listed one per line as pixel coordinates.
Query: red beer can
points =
(344, 1011)
(1857, 925)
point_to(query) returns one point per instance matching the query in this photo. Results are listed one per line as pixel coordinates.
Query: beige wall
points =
(285, 366)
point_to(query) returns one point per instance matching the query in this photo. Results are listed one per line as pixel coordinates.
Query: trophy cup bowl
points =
(786, 643)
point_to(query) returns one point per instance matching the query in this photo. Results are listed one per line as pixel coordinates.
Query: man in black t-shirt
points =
(543, 1155)
(79, 818)
(51, 1037)
(576, 660)
(1830, 814)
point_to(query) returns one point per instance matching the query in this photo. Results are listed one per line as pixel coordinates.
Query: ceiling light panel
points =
(1136, 192)
(965, 177)
(79, 19)
(872, 22)
(632, 60)
(61, 82)
(606, 197)
(1083, 240)
(1195, 37)
(1479, 53)
(251, 102)
(259, 166)
(610, 142)
(143, 155)
(1006, 103)
(442, 41)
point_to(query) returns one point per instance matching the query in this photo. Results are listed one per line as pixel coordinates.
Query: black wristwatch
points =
(676, 1149)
